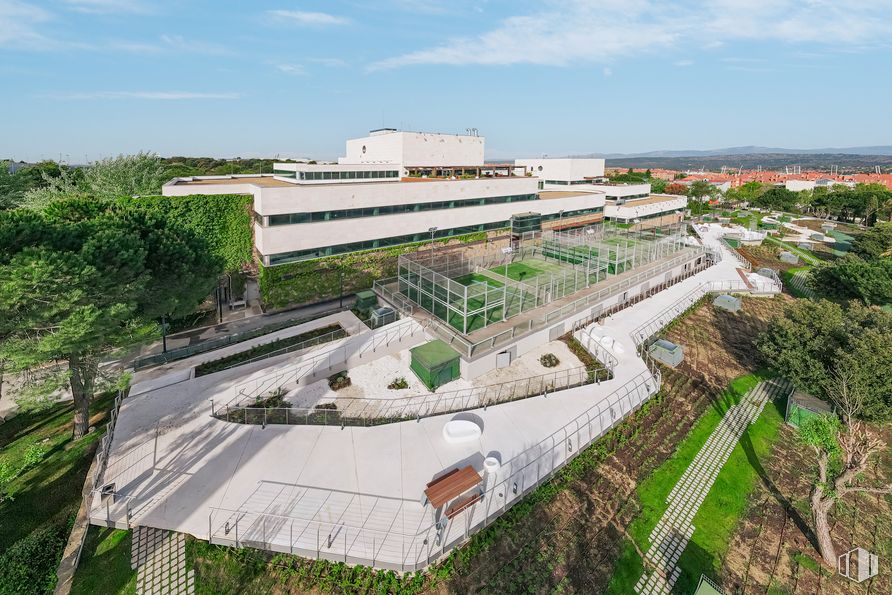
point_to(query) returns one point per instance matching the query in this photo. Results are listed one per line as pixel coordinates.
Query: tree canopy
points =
(85, 276)
(124, 175)
(816, 341)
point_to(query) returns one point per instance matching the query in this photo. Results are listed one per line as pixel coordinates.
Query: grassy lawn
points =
(42, 473)
(105, 564)
(267, 348)
(717, 517)
(803, 254)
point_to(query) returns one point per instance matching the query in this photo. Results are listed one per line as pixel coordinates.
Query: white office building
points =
(392, 188)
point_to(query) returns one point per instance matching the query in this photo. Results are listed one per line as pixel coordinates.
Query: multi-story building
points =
(392, 188)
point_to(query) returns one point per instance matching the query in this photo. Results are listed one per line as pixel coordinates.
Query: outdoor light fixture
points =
(514, 488)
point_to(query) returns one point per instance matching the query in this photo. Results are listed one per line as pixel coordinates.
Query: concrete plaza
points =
(355, 493)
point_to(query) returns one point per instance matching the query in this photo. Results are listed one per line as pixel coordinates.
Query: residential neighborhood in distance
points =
(434, 297)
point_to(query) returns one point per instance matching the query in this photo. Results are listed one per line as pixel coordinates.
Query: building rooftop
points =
(649, 200)
(552, 194)
(266, 181)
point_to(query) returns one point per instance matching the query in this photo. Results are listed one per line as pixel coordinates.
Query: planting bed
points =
(324, 334)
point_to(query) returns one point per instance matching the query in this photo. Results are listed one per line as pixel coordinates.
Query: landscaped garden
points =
(323, 334)
(42, 472)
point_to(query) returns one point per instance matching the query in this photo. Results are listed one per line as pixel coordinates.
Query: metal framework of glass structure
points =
(471, 293)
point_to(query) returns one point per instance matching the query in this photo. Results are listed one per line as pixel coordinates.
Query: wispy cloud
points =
(683, 63)
(108, 6)
(292, 69)
(328, 62)
(170, 44)
(570, 32)
(19, 22)
(306, 18)
(146, 95)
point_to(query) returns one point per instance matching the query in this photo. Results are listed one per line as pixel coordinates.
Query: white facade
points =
(414, 149)
(564, 170)
(307, 211)
(654, 206)
(620, 192)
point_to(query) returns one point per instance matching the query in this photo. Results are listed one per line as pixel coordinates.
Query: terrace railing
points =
(408, 551)
(340, 333)
(352, 347)
(105, 442)
(205, 346)
(645, 331)
(372, 411)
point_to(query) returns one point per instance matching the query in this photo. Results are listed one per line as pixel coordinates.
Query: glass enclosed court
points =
(471, 293)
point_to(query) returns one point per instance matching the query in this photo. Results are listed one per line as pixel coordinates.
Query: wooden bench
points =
(451, 485)
(462, 504)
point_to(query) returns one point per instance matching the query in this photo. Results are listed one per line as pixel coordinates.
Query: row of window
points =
(570, 183)
(649, 216)
(291, 218)
(337, 175)
(298, 255)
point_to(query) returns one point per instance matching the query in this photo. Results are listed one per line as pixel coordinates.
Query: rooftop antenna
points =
(878, 170)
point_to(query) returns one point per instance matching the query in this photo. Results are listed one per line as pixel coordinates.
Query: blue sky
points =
(101, 77)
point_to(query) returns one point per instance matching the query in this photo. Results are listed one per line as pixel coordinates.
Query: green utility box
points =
(801, 406)
(435, 363)
(366, 300)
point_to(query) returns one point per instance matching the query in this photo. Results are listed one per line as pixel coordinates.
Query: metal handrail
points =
(430, 542)
(392, 410)
(362, 327)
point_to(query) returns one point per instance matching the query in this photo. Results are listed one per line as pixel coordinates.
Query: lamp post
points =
(560, 219)
(432, 231)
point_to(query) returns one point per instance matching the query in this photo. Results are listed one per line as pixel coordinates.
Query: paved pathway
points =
(673, 531)
(159, 558)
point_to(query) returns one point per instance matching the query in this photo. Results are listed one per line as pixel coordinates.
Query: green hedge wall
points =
(223, 220)
(320, 279)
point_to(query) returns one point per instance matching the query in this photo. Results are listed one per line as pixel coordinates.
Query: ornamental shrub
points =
(549, 360)
(29, 565)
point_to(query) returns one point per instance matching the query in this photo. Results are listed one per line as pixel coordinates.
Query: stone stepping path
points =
(159, 558)
(799, 281)
(673, 531)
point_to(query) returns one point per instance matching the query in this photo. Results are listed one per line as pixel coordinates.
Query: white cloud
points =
(148, 95)
(181, 44)
(328, 62)
(683, 63)
(18, 26)
(108, 6)
(608, 71)
(170, 44)
(292, 69)
(579, 31)
(314, 19)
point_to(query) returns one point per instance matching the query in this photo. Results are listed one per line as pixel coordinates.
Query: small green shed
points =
(435, 363)
(801, 406)
(366, 300)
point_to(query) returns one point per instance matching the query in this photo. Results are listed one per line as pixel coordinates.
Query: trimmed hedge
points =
(320, 279)
(222, 220)
(29, 565)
